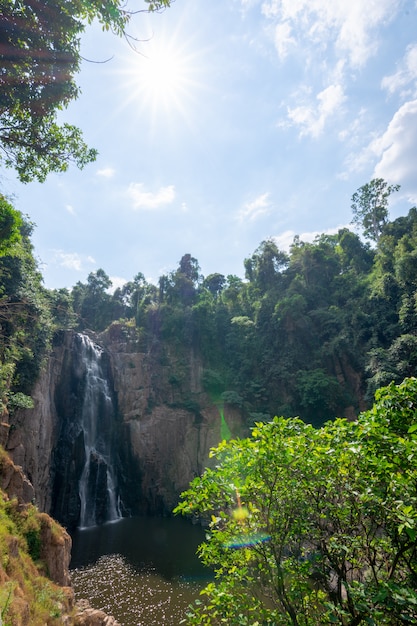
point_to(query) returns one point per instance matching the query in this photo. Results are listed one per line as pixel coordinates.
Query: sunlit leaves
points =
(39, 61)
(338, 506)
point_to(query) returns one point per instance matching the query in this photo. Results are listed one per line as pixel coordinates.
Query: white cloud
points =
(72, 260)
(255, 209)
(70, 209)
(348, 26)
(312, 117)
(358, 138)
(148, 200)
(397, 150)
(107, 172)
(284, 40)
(405, 76)
(285, 239)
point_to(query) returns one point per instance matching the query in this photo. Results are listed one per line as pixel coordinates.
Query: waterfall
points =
(97, 485)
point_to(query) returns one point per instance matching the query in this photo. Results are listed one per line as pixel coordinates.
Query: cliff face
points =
(33, 433)
(35, 551)
(34, 569)
(168, 423)
(153, 424)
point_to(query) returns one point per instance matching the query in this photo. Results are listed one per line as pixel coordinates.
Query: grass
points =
(27, 596)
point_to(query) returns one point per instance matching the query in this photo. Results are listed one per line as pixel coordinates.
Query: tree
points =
(313, 526)
(265, 266)
(25, 319)
(214, 283)
(10, 225)
(40, 44)
(182, 284)
(92, 303)
(370, 207)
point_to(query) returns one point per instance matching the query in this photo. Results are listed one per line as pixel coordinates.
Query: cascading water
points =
(97, 485)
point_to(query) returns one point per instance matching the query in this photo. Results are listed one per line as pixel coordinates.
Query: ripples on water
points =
(133, 598)
(152, 577)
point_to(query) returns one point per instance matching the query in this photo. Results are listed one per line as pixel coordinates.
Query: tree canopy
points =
(313, 526)
(40, 56)
(25, 318)
(370, 207)
(312, 332)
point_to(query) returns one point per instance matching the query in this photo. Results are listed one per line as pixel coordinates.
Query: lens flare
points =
(244, 539)
(247, 540)
(225, 433)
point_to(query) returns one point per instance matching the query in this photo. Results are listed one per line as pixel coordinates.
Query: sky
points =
(234, 121)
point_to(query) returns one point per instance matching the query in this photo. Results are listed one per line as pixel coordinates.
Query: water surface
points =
(141, 570)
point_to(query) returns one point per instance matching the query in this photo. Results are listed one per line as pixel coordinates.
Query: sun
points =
(162, 77)
(162, 72)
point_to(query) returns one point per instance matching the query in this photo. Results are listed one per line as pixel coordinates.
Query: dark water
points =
(141, 570)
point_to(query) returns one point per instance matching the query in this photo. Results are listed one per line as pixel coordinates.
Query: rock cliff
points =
(160, 428)
(168, 424)
(35, 553)
(35, 584)
(33, 433)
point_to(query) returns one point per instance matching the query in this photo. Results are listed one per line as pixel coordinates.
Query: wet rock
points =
(87, 616)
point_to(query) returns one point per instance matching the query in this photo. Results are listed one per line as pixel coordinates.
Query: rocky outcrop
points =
(160, 429)
(160, 425)
(55, 542)
(33, 546)
(87, 616)
(168, 423)
(33, 433)
(55, 550)
(14, 482)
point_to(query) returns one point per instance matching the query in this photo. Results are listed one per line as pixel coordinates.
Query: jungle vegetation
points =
(313, 332)
(313, 526)
(312, 519)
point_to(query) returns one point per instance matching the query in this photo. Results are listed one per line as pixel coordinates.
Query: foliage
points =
(40, 57)
(370, 207)
(25, 320)
(314, 526)
(22, 583)
(312, 333)
(92, 302)
(10, 225)
(156, 5)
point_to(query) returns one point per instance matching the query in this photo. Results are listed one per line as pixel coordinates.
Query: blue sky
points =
(239, 120)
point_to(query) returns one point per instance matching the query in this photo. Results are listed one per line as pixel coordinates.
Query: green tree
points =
(370, 207)
(92, 303)
(10, 225)
(214, 283)
(264, 268)
(61, 309)
(25, 320)
(40, 44)
(313, 526)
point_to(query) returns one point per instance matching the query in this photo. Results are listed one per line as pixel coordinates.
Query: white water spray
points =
(97, 486)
